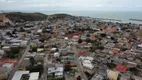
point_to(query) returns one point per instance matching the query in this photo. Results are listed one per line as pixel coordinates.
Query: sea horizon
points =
(124, 16)
(118, 15)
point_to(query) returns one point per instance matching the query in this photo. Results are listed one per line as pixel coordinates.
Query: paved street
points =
(22, 58)
(19, 63)
(45, 68)
(79, 65)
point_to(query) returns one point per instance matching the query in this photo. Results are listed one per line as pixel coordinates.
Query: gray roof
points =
(18, 74)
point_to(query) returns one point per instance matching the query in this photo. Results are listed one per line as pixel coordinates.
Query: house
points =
(112, 75)
(110, 30)
(25, 77)
(39, 56)
(58, 71)
(114, 51)
(87, 62)
(53, 49)
(18, 74)
(15, 44)
(83, 37)
(33, 54)
(40, 50)
(97, 77)
(83, 53)
(1, 53)
(39, 31)
(4, 20)
(34, 76)
(121, 68)
(57, 55)
(109, 45)
(28, 27)
(6, 48)
(24, 43)
(25, 62)
(8, 68)
(75, 38)
(2, 73)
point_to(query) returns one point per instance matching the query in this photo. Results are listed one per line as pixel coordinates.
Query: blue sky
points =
(71, 5)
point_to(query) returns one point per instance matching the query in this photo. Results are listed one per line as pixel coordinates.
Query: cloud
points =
(70, 4)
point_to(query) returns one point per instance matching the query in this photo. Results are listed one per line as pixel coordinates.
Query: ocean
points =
(118, 15)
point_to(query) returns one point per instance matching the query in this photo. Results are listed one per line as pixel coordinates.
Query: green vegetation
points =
(19, 16)
(34, 68)
(80, 41)
(96, 45)
(13, 53)
(60, 16)
(22, 29)
(88, 40)
(124, 49)
(32, 60)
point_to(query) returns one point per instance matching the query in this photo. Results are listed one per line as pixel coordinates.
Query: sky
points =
(71, 5)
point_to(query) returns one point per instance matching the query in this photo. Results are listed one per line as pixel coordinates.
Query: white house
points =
(34, 76)
(88, 64)
(7, 68)
(18, 74)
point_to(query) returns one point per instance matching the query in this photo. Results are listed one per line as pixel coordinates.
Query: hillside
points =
(61, 16)
(18, 16)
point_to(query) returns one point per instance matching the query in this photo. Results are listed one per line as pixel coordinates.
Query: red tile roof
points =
(109, 30)
(72, 34)
(121, 68)
(114, 52)
(83, 53)
(8, 61)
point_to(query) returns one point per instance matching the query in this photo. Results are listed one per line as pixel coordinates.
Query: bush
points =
(88, 40)
(34, 49)
(13, 53)
(124, 49)
(15, 50)
(80, 41)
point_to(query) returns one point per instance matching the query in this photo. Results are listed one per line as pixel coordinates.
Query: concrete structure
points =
(2, 74)
(18, 74)
(7, 68)
(34, 76)
(58, 71)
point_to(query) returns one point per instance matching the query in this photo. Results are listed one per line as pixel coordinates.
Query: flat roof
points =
(18, 74)
(34, 76)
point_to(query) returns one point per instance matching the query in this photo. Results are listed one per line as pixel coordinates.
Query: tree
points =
(34, 49)
(88, 35)
(9, 54)
(14, 31)
(22, 30)
(80, 41)
(103, 35)
(96, 45)
(67, 66)
(14, 50)
(44, 30)
(32, 60)
(88, 40)
(79, 78)
(124, 49)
